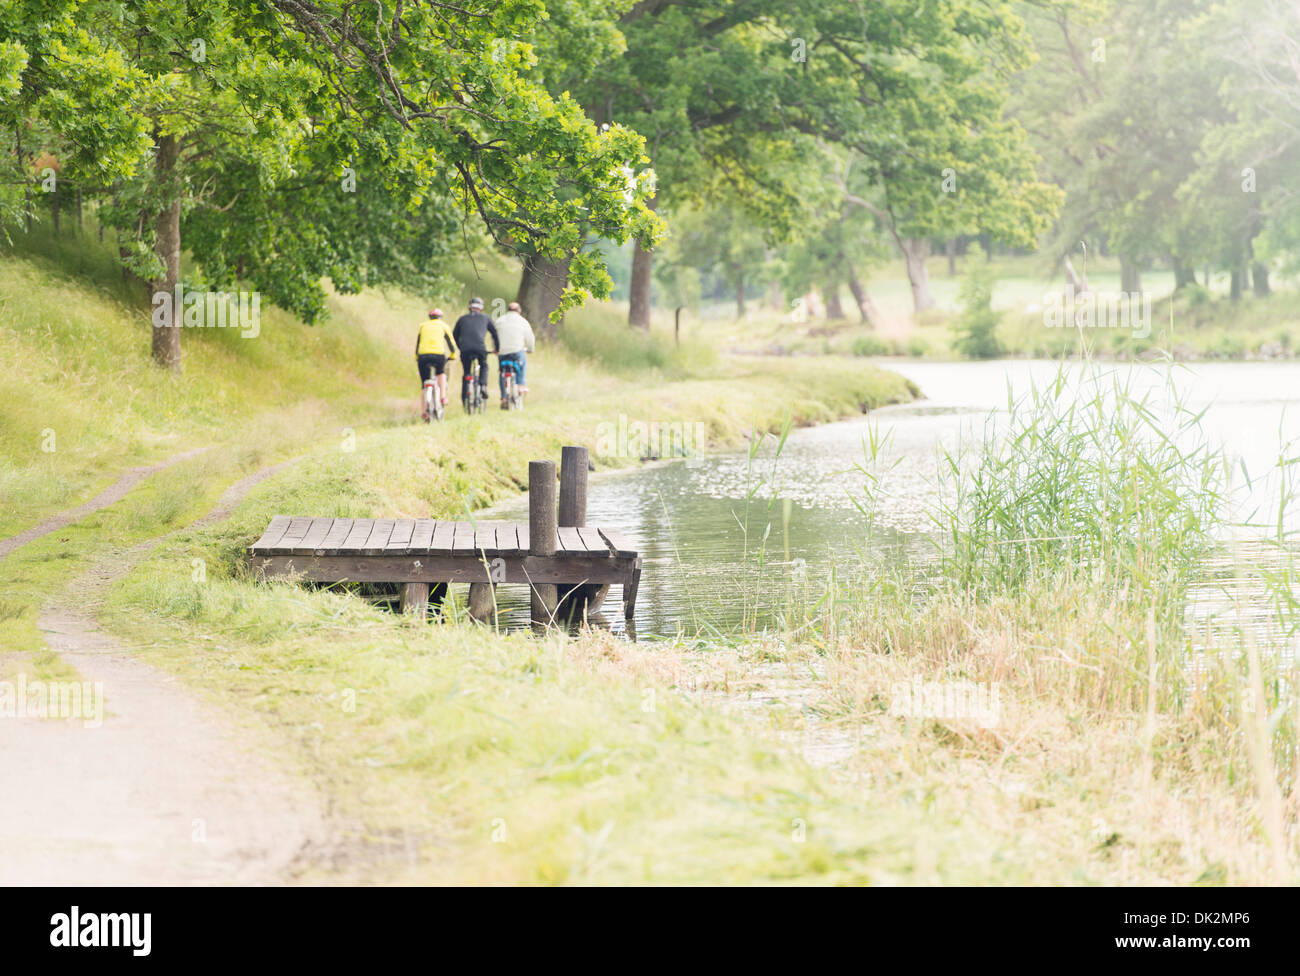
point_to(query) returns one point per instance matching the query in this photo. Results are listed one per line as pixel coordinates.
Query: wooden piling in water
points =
(576, 602)
(573, 486)
(543, 537)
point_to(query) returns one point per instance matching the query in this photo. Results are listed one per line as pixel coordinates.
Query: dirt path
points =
(165, 791)
(113, 493)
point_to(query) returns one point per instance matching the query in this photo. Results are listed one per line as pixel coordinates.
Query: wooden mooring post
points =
(578, 601)
(574, 462)
(542, 536)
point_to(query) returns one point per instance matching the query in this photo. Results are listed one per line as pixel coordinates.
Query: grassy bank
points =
(451, 752)
(80, 401)
(434, 733)
(437, 740)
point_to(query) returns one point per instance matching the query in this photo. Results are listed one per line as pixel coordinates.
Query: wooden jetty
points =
(568, 565)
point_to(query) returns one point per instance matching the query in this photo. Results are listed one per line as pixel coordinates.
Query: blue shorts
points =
(520, 363)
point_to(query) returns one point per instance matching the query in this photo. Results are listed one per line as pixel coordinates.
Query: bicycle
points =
(433, 409)
(513, 399)
(471, 397)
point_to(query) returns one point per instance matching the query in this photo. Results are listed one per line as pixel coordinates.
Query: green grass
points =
(80, 401)
(439, 733)
(1202, 326)
(505, 758)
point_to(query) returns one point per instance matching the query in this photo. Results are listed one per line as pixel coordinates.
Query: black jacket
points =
(471, 332)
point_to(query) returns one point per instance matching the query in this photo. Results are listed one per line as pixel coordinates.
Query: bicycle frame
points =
(432, 399)
(470, 396)
(510, 379)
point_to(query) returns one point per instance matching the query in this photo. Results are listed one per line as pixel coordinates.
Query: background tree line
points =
(789, 145)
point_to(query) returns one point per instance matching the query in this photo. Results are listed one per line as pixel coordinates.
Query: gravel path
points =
(165, 790)
(113, 493)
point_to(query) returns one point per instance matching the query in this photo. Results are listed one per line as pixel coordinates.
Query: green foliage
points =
(328, 140)
(721, 241)
(870, 345)
(1195, 296)
(975, 330)
(1165, 124)
(925, 118)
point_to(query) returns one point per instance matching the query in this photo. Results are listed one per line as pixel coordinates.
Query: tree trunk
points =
(1259, 279)
(27, 190)
(167, 229)
(866, 307)
(1130, 275)
(915, 251)
(1240, 270)
(740, 296)
(540, 289)
(54, 208)
(638, 299)
(952, 257)
(1184, 275)
(834, 309)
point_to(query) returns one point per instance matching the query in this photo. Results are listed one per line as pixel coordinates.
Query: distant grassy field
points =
(1205, 323)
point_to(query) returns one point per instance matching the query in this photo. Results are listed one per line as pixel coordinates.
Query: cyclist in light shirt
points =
(514, 340)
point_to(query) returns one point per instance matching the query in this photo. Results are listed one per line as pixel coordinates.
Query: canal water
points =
(723, 536)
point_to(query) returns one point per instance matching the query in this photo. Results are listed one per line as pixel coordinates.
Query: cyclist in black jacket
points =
(470, 336)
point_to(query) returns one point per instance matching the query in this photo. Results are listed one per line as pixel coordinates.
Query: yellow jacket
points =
(435, 340)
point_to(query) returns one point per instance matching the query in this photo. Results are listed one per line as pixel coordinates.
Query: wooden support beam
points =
(444, 569)
(629, 591)
(415, 599)
(482, 602)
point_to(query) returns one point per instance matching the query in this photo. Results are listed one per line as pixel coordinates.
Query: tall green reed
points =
(1086, 477)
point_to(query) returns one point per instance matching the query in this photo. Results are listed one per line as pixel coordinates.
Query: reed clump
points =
(1070, 580)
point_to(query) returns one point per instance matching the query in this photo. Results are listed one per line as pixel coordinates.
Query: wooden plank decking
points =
(432, 551)
(302, 536)
(567, 564)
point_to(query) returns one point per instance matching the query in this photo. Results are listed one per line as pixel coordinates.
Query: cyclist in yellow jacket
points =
(434, 348)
